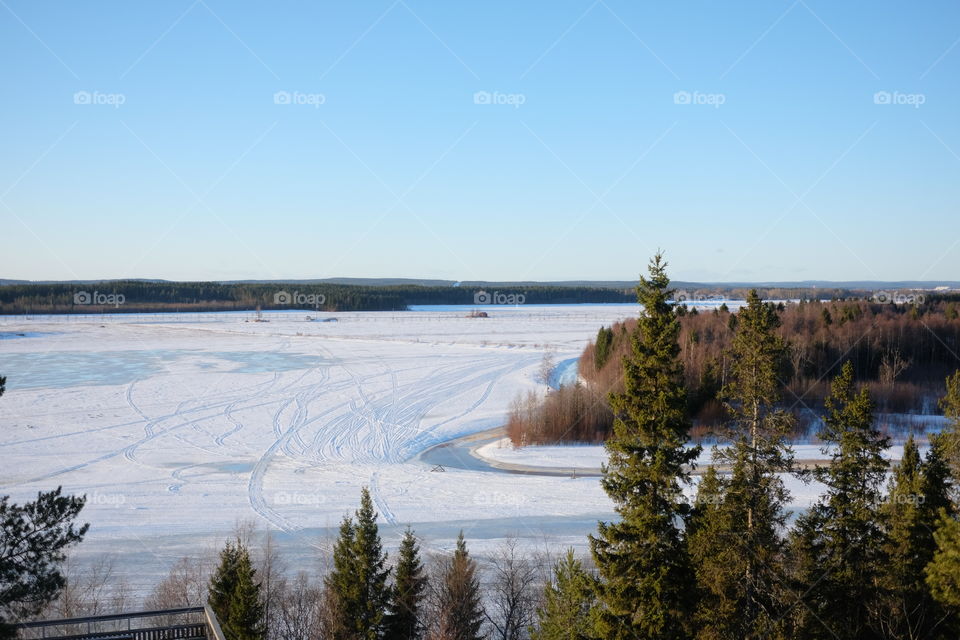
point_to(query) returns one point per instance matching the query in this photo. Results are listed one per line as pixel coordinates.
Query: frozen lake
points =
(177, 426)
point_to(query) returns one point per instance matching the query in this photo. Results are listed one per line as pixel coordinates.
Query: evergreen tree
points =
(950, 403)
(33, 540)
(918, 490)
(603, 345)
(567, 603)
(645, 576)
(738, 546)
(223, 582)
(358, 584)
(713, 557)
(841, 540)
(459, 611)
(246, 617)
(937, 486)
(943, 572)
(404, 622)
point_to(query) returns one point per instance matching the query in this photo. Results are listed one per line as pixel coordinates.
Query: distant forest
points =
(140, 297)
(902, 353)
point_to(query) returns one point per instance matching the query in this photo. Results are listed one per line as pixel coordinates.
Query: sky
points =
(570, 139)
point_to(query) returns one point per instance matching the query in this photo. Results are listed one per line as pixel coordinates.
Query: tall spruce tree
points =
(568, 601)
(841, 541)
(950, 404)
(246, 617)
(714, 559)
(943, 572)
(404, 622)
(357, 586)
(737, 542)
(458, 607)
(223, 582)
(646, 580)
(918, 491)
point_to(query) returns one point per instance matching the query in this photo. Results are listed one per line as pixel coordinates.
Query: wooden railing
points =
(188, 623)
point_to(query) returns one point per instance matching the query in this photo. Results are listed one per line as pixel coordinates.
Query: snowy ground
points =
(178, 426)
(590, 457)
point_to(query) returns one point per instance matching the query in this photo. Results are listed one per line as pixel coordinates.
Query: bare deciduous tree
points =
(298, 609)
(185, 585)
(512, 593)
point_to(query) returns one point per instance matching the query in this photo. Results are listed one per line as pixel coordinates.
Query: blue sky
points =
(767, 140)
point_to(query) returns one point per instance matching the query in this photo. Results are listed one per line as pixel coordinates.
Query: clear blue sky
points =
(201, 174)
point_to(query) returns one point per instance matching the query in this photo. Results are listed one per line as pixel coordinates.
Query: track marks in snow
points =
(378, 499)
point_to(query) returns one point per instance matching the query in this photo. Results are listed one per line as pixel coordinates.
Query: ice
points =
(177, 426)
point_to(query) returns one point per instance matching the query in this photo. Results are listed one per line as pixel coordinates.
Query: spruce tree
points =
(404, 622)
(918, 491)
(714, 558)
(841, 539)
(738, 545)
(459, 611)
(358, 584)
(950, 404)
(223, 582)
(943, 572)
(567, 603)
(246, 618)
(646, 580)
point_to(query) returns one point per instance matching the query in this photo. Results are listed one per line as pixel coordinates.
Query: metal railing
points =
(188, 623)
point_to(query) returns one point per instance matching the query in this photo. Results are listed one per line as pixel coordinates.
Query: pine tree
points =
(646, 579)
(246, 618)
(357, 587)
(404, 622)
(33, 539)
(567, 603)
(223, 582)
(459, 612)
(738, 546)
(842, 537)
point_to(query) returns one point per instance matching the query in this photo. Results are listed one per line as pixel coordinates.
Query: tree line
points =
(143, 297)
(901, 353)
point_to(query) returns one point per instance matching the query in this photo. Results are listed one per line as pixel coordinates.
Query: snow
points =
(572, 456)
(178, 426)
(590, 457)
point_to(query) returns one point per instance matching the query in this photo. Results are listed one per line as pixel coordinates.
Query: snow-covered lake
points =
(178, 426)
